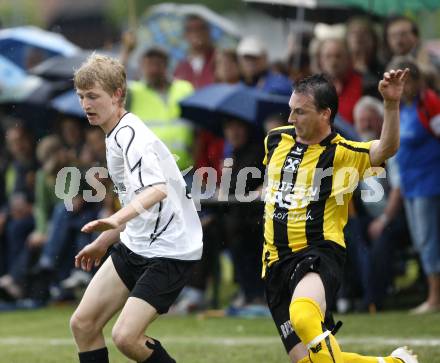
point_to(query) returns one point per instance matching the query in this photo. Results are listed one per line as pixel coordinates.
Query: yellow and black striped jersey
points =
(308, 190)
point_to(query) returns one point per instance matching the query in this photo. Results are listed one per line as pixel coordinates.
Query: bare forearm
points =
(110, 237)
(143, 201)
(388, 144)
(390, 135)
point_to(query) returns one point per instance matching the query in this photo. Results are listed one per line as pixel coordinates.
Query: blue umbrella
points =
(208, 106)
(15, 43)
(163, 26)
(68, 103)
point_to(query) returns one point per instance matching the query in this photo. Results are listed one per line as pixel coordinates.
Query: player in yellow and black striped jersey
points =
(311, 174)
(308, 189)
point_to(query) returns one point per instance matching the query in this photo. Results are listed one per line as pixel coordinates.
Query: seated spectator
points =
(53, 156)
(20, 172)
(19, 224)
(72, 136)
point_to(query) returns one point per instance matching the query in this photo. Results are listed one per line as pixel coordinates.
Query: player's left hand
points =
(99, 225)
(391, 86)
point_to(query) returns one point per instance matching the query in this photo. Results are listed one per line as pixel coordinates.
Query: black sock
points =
(160, 355)
(94, 356)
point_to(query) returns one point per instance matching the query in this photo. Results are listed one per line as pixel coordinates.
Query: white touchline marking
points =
(235, 341)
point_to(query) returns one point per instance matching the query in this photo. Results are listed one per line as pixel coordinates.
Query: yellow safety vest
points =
(162, 117)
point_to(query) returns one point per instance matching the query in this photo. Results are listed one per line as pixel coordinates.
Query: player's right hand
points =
(90, 256)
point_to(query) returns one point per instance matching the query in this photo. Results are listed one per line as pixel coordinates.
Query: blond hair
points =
(108, 72)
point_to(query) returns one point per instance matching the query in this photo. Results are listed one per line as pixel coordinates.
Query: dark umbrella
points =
(209, 106)
(59, 67)
(315, 11)
(63, 67)
(68, 104)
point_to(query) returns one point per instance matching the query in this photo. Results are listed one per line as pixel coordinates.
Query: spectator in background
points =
(72, 137)
(419, 165)
(19, 225)
(93, 151)
(378, 229)
(274, 121)
(198, 67)
(363, 46)
(334, 60)
(298, 66)
(20, 172)
(227, 69)
(243, 220)
(155, 100)
(255, 70)
(51, 155)
(401, 38)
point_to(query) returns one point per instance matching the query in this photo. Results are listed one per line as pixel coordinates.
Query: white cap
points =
(251, 46)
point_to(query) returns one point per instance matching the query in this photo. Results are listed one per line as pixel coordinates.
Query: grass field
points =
(42, 336)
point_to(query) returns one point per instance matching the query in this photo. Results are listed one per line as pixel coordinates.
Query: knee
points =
(123, 339)
(302, 312)
(82, 326)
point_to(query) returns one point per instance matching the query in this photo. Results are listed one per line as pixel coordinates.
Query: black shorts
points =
(156, 280)
(327, 259)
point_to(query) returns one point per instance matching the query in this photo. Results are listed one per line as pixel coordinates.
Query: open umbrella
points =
(315, 11)
(68, 104)
(208, 106)
(392, 7)
(163, 26)
(62, 67)
(15, 44)
(15, 84)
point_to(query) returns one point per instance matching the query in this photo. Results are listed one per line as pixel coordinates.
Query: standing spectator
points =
(335, 62)
(363, 46)
(402, 38)
(419, 165)
(155, 100)
(380, 225)
(254, 65)
(243, 220)
(227, 69)
(198, 67)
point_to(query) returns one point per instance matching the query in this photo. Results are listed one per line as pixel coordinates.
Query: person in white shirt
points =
(157, 229)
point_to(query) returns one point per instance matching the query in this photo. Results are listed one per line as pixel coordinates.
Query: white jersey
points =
(137, 159)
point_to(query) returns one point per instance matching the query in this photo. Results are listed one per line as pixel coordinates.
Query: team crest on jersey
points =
(298, 150)
(291, 164)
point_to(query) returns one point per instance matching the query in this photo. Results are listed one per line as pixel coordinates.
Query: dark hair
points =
(195, 17)
(402, 62)
(323, 92)
(394, 19)
(156, 52)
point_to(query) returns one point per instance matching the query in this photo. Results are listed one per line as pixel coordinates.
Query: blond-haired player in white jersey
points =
(155, 238)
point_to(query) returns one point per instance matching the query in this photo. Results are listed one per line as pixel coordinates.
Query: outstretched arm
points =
(92, 254)
(391, 88)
